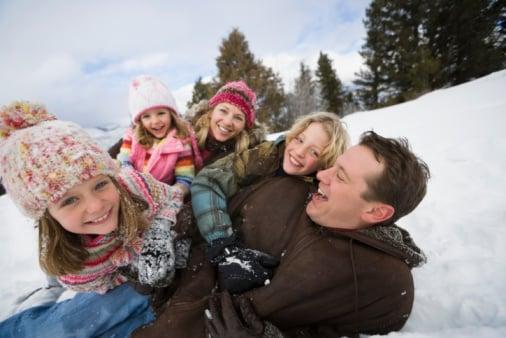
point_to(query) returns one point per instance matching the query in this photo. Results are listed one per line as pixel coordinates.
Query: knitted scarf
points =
(100, 272)
(107, 253)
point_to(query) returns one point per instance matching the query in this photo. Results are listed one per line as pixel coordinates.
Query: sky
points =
(459, 132)
(78, 57)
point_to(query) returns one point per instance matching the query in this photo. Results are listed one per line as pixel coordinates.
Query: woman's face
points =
(90, 208)
(227, 121)
(302, 153)
(157, 121)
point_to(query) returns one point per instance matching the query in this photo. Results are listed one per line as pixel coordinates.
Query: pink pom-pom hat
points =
(240, 95)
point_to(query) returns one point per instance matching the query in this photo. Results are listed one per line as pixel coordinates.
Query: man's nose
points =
(321, 175)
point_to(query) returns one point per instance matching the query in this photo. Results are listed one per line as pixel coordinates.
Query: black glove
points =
(225, 322)
(240, 269)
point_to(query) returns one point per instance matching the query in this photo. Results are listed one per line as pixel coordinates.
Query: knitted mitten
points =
(156, 262)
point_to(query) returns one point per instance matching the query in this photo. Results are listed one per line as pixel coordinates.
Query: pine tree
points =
(370, 82)
(200, 92)
(330, 85)
(304, 99)
(237, 62)
(465, 37)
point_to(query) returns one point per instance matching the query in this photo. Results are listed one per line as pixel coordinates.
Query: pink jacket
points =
(173, 159)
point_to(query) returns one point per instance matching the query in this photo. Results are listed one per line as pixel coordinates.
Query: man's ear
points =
(377, 212)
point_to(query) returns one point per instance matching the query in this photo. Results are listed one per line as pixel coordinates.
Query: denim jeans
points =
(115, 314)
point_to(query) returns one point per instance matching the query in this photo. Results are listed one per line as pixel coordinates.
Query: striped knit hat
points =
(41, 157)
(147, 92)
(240, 95)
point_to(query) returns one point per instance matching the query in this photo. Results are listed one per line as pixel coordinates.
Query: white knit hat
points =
(147, 92)
(41, 157)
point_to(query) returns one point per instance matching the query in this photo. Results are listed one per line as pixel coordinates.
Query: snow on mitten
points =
(157, 259)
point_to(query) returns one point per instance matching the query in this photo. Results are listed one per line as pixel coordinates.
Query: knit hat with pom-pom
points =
(41, 157)
(240, 95)
(147, 92)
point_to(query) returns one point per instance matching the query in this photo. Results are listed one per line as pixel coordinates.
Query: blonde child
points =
(99, 227)
(313, 143)
(160, 142)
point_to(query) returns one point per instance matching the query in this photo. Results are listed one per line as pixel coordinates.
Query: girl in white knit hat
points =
(99, 226)
(160, 142)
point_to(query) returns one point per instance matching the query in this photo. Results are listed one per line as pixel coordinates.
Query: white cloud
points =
(288, 65)
(80, 56)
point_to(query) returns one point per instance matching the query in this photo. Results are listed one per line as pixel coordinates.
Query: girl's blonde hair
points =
(202, 124)
(336, 132)
(62, 252)
(146, 139)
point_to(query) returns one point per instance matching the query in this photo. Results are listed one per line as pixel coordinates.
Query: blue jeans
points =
(115, 314)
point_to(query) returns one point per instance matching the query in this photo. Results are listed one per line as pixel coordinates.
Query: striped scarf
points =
(107, 253)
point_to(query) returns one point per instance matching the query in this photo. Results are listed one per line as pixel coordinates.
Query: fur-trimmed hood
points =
(391, 239)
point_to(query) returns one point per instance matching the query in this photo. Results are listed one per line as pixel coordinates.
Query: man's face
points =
(339, 202)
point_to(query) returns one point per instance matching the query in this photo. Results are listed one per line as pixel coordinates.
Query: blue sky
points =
(78, 57)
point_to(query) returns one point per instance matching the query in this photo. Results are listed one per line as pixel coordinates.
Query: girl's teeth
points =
(100, 219)
(294, 162)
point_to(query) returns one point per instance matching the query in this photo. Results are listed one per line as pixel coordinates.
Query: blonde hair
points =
(336, 132)
(62, 252)
(202, 126)
(146, 139)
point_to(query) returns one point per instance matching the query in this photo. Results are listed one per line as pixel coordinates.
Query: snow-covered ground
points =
(459, 132)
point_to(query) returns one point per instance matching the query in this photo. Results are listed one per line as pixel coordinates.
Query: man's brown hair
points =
(403, 182)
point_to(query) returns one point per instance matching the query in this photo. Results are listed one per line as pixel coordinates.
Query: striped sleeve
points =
(126, 149)
(184, 170)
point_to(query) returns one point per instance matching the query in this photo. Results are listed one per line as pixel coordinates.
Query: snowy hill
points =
(458, 131)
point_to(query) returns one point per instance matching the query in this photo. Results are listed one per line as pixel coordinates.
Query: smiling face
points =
(339, 202)
(302, 153)
(157, 121)
(227, 121)
(91, 207)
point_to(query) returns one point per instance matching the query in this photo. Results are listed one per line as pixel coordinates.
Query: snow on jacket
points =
(150, 256)
(172, 160)
(329, 283)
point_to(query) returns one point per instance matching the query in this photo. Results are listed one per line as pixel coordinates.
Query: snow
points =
(458, 131)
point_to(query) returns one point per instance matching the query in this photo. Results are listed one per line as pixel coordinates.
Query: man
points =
(345, 267)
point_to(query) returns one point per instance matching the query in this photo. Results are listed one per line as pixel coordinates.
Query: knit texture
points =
(100, 272)
(156, 263)
(147, 92)
(41, 158)
(240, 95)
(150, 256)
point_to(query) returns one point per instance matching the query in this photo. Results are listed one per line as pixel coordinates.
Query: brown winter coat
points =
(327, 284)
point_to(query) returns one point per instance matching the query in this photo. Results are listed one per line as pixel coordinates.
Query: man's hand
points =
(223, 320)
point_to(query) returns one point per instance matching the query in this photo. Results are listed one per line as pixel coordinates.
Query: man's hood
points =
(391, 239)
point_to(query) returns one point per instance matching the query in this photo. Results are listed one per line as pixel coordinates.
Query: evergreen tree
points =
(330, 85)
(236, 62)
(351, 102)
(304, 99)
(399, 65)
(200, 92)
(465, 36)
(370, 82)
